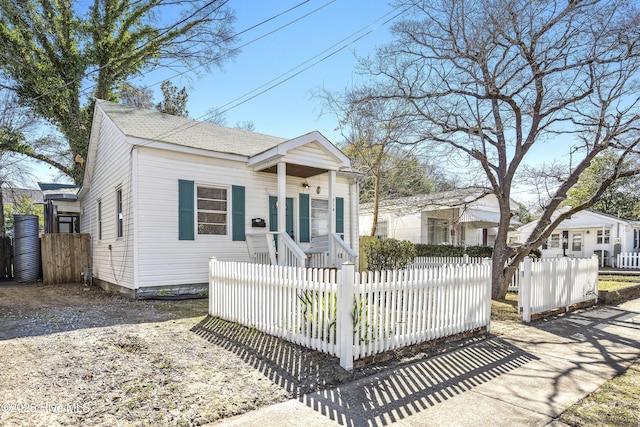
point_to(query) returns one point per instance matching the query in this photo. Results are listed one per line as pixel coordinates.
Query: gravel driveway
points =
(76, 355)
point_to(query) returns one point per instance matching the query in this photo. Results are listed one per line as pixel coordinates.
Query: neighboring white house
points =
(162, 194)
(61, 208)
(466, 217)
(586, 233)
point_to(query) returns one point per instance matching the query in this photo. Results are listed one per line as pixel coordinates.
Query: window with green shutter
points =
(186, 224)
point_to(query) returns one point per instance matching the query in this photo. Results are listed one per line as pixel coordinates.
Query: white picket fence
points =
(628, 260)
(439, 261)
(352, 315)
(430, 262)
(548, 284)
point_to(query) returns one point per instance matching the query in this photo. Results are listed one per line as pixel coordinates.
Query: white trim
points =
(270, 157)
(133, 184)
(167, 146)
(228, 234)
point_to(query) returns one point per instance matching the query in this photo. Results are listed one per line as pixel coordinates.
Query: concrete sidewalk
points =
(527, 376)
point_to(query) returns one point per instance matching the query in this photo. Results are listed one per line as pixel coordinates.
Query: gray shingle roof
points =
(451, 198)
(154, 126)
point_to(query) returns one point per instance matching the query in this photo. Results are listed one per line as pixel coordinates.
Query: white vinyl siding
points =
(112, 256)
(165, 259)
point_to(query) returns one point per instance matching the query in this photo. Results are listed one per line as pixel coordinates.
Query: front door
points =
(273, 215)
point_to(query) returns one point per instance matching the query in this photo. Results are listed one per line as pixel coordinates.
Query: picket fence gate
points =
(352, 315)
(548, 284)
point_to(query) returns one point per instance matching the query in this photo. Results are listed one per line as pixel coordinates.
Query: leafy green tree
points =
(484, 82)
(57, 57)
(23, 206)
(620, 198)
(174, 102)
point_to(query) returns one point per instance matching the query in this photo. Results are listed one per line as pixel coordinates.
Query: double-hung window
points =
(119, 213)
(212, 210)
(99, 219)
(602, 236)
(554, 241)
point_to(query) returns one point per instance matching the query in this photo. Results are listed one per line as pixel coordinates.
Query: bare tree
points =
(376, 132)
(490, 80)
(15, 122)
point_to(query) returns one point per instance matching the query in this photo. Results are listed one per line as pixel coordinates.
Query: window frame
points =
(436, 226)
(227, 211)
(554, 241)
(119, 213)
(315, 219)
(603, 239)
(99, 209)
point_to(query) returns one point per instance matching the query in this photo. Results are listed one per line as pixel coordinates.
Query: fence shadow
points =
(384, 392)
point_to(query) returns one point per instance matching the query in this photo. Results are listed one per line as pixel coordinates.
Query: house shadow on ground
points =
(376, 394)
(34, 309)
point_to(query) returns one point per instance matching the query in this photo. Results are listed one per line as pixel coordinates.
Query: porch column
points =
(282, 203)
(332, 218)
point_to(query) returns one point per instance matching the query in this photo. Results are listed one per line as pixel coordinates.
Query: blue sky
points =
(287, 110)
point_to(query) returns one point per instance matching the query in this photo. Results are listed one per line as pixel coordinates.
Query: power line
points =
(233, 104)
(88, 89)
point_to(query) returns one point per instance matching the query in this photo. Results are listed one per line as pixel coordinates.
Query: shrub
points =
(453, 251)
(535, 254)
(389, 254)
(479, 251)
(439, 250)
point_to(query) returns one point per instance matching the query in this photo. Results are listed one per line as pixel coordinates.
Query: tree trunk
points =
(376, 202)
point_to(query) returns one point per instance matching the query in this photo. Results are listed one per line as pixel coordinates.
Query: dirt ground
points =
(76, 355)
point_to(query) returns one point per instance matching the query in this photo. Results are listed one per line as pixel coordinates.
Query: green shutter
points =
(339, 215)
(273, 214)
(237, 213)
(304, 213)
(186, 226)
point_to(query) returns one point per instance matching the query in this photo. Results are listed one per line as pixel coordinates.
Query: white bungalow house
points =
(163, 194)
(465, 217)
(587, 233)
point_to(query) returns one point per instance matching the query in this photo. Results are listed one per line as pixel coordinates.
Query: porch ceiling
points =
(301, 171)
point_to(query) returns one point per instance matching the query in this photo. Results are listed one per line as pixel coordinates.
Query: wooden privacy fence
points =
(64, 257)
(550, 284)
(6, 258)
(352, 315)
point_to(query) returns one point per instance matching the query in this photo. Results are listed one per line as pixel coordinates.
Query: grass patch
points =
(616, 403)
(506, 309)
(610, 282)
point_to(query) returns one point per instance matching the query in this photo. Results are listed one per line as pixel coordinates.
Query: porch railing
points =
(262, 249)
(340, 252)
(290, 252)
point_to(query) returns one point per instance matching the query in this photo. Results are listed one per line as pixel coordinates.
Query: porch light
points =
(305, 186)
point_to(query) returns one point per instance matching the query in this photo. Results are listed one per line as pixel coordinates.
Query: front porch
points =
(327, 251)
(312, 219)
